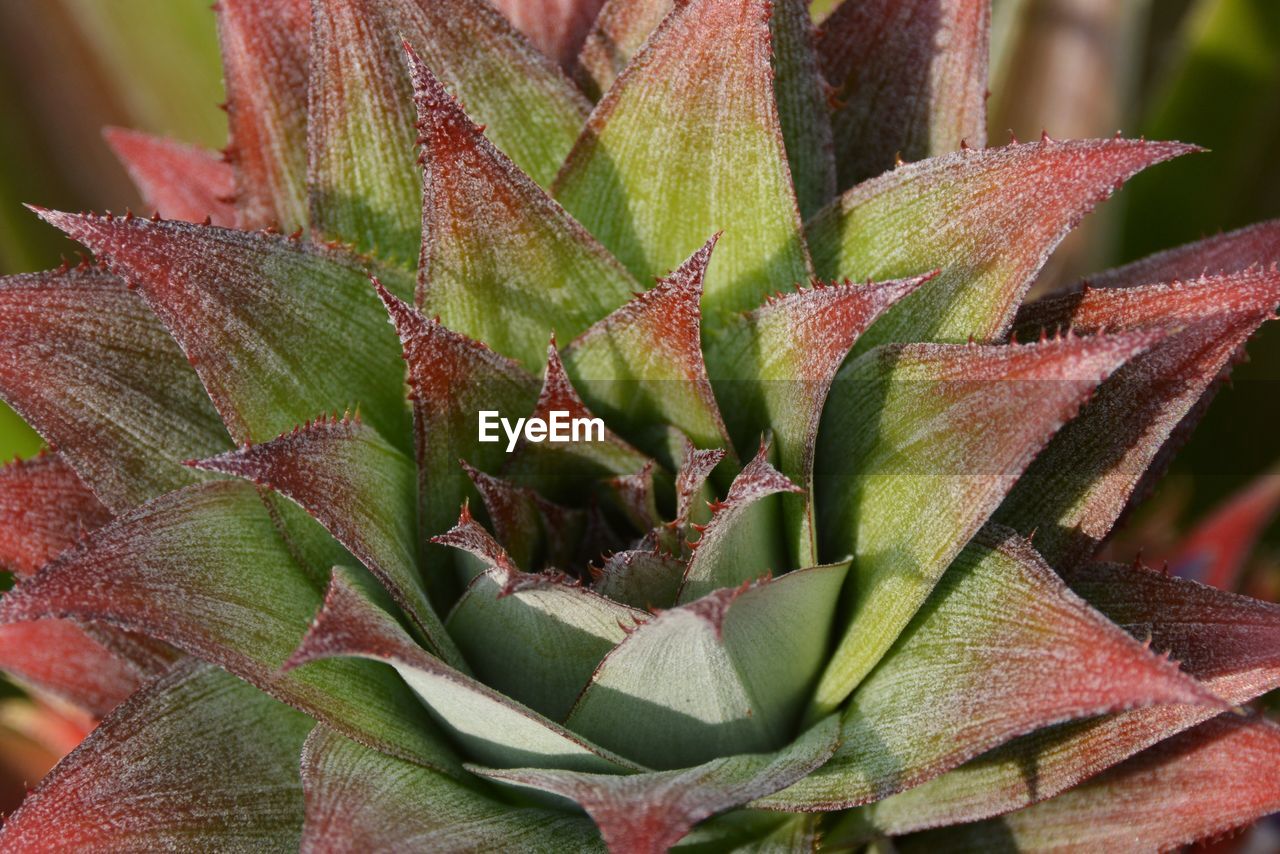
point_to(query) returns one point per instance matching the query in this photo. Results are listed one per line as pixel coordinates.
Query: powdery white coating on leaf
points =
(642, 366)
(266, 50)
(364, 492)
(909, 78)
(359, 800)
(58, 657)
(557, 27)
(688, 143)
(278, 329)
(725, 674)
(196, 760)
(1215, 778)
(178, 181)
(501, 261)
(735, 546)
(935, 433)
(89, 366)
(1233, 252)
(489, 726)
(1001, 649)
(244, 610)
(648, 813)
(1230, 643)
(987, 219)
(44, 509)
(1076, 490)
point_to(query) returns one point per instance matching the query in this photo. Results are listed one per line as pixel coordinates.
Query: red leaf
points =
(557, 27)
(266, 48)
(178, 181)
(58, 657)
(910, 80)
(1233, 252)
(88, 365)
(1079, 486)
(44, 509)
(1216, 549)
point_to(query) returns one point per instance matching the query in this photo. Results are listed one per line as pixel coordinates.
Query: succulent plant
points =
(827, 574)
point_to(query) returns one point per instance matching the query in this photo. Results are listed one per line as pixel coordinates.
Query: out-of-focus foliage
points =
(67, 69)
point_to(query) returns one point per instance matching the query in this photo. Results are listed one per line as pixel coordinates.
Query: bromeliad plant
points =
(315, 609)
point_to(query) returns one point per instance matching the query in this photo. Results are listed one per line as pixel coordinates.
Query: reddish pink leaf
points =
(1078, 487)
(364, 492)
(1229, 642)
(89, 366)
(266, 47)
(527, 525)
(642, 366)
(44, 508)
(1215, 778)
(198, 760)
(1215, 550)
(966, 214)
(57, 656)
(179, 181)
(1233, 252)
(557, 27)
(620, 30)
(910, 80)
(451, 378)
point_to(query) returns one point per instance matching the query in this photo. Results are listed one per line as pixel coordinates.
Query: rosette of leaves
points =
(829, 576)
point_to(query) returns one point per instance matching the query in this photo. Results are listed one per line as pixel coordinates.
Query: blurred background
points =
(1202, 71)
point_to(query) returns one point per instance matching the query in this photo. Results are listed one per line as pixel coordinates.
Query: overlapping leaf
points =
(647, 813)
(491, 727)
(171, 769)
(359, 800)
(265, 63)
(57, 657)
(725, 674)
(687, 143)
(244, 610)
(502, 262)
(1230, 643)
(966, 214)
(279, 330)
(1002, 648)
(910, 80)
(178, 181)
(936, 434)
(1074, 492)
(44, 509)
(91, 368)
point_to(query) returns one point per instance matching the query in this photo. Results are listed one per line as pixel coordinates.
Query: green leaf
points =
(1075, 491)
(489, 726)
(265, 320)
(642, 366)
(1213, 779)
(93, 370)
(741, 541)
(1230, 643)
(364, 492)
(552, 633)
(777, 365)
(648, 813)
(266, 51)
(645, 578)
(244, 610)
(502, 262)
(1001, 648)
(908, 435)
(686, 144)
(803, 108)
(364, 183)
(361, 799)
(198, 759)
(725, 674)
(910, 80)
(966, 214)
